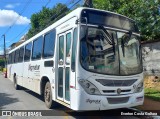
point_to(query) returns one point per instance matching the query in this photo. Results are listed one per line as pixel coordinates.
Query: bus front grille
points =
(116, 83)
(115, 91)
(119, 100)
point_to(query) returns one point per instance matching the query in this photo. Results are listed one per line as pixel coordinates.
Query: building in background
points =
(1, 56)
(22, 39)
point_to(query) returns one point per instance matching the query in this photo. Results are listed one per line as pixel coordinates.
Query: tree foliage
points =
(2, 62)
(46, 17)
(144, 12)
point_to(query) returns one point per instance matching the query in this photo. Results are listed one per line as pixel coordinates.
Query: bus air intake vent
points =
(106, 82)
(118, 100)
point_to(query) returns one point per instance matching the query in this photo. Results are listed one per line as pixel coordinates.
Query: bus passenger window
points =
(49, 44)
(13, 57)
(27, 52)
(37, 48)
(21, 52)
(9, 59)
(17, 56)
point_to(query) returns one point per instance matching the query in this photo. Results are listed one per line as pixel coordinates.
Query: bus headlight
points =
(139, 87)
(89, 87)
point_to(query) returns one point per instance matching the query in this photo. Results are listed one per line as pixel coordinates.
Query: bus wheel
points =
(48, 95)
(16, 86)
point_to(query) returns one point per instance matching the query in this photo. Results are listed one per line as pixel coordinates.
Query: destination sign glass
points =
(109, 19)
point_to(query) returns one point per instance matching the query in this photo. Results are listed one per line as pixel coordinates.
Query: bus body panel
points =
(34, 75)
(25, 75)
(49, 72)
(31, 73)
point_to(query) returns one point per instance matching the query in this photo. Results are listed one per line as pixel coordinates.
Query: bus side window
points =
(9, 58)
(27, 51)
(21, 52)
(13, 57)
(74, 49)
(16, 55)
(37, 48)
(49, 44)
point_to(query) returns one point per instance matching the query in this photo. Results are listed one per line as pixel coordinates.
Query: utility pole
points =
(88, 3)
(4, 47)
(5, 60)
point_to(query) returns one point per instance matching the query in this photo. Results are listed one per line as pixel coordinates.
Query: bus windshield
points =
(122, 56)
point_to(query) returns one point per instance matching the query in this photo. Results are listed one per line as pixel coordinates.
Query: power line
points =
(25, 27)
(17, 18)
(29, 1)
(56, 15)
(61, 11)
(47, 3)
(18, 35)
(75, 4)
(67, 3)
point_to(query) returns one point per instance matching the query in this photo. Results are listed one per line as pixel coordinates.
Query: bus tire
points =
(48, 96)
(16, 86)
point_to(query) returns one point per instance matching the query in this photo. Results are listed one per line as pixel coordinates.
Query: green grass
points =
(152, 93)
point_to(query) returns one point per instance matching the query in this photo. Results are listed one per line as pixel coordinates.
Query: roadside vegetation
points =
(145, 12)
(46, 17)
(2, 63)
(152, 93)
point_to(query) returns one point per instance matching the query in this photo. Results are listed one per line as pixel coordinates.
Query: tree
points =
(2, 64)
(144, 12)
(46, 17)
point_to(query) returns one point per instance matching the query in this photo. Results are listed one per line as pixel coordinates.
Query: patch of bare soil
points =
(152, 82)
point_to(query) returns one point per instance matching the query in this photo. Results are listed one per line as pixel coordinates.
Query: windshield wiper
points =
(125, 41)
(130, 34)
(109, 38)
(122, 46)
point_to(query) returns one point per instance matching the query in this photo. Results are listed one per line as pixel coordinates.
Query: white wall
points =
(151, 58)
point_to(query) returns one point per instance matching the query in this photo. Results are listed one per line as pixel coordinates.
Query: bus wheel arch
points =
(44, 80)
(46, 92)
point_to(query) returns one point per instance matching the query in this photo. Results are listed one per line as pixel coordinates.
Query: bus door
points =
(64, 50)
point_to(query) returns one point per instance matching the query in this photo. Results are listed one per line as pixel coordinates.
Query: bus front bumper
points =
(85, 101)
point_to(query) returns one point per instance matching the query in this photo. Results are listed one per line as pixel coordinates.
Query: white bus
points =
(88, 60)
